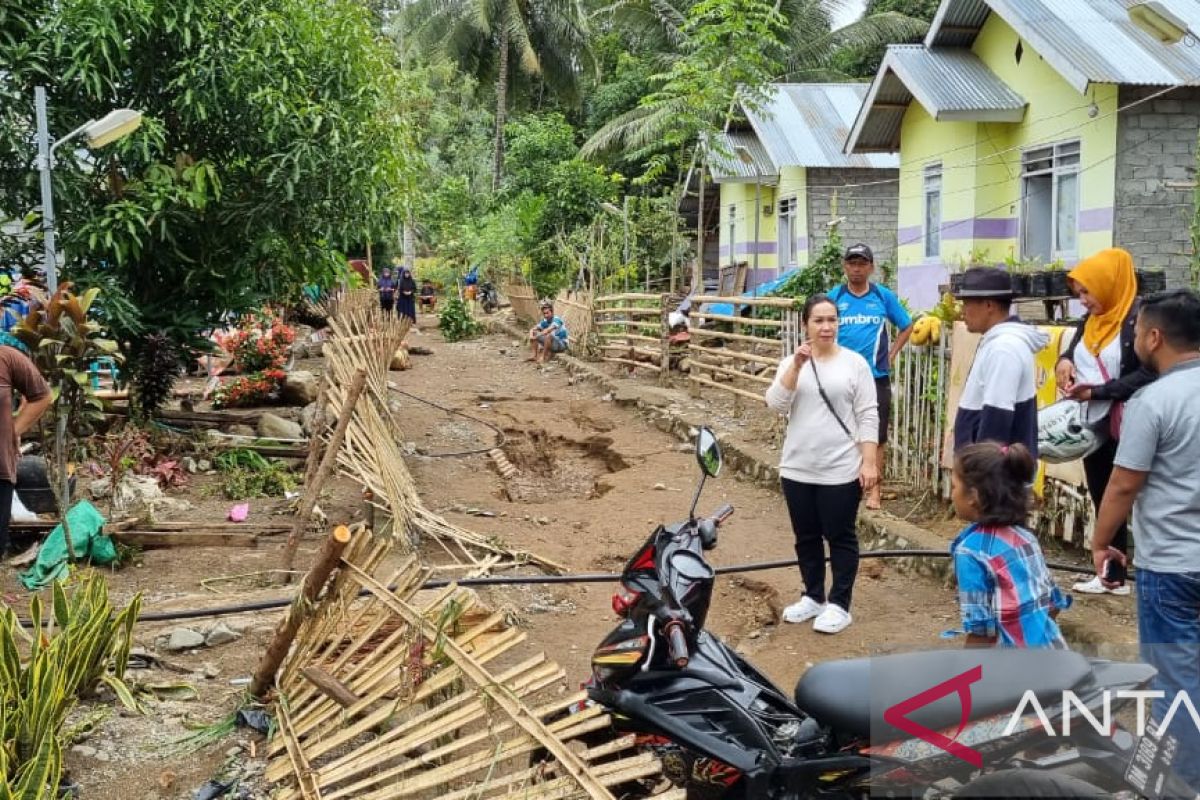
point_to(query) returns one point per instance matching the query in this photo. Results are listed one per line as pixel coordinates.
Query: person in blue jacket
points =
(864, 311)
(999, 399)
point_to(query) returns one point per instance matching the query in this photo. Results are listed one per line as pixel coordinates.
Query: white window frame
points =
(931, 236)
(789, 209)
(733, 233)
(1056, 160)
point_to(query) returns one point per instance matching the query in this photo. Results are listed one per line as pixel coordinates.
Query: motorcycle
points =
(489, 300)
(858, 727)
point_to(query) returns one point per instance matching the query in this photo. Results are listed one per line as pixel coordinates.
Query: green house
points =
(1036, 131)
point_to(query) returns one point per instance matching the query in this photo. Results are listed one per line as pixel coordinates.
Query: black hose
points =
(533, 580)
(500, 440)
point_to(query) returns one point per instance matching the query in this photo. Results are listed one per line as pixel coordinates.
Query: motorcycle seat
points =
(852, 696)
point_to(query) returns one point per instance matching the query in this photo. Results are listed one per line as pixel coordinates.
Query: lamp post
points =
(97, 133)
(744, 154)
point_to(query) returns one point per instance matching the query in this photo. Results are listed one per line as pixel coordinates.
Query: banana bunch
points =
(926, 331)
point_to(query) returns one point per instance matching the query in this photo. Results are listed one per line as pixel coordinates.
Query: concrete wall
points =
(981, 168)
(1156, 144)
(869, 210)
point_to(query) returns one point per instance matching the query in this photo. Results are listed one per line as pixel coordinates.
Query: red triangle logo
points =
(897, 715)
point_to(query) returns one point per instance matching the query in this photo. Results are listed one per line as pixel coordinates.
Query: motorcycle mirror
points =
(708, 453)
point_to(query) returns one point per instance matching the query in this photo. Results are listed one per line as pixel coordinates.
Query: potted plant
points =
(1056, 277)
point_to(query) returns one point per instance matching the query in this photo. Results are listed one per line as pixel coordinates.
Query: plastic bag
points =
(87, 542)
(1063, 433)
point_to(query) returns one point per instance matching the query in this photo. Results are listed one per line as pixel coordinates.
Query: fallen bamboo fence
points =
(738, 354)
(390, 692)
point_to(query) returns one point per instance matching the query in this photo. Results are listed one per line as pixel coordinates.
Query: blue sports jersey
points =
(560, 333)
(862, 323)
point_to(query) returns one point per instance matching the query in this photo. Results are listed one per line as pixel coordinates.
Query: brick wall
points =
(869, 211)
(1156, 145)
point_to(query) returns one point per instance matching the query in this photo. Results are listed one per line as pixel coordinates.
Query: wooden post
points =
(664, 303)
(698, 266)
(312, 490)
(314, 581)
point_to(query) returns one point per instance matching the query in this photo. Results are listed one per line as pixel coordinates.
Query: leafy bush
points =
(456, 323)
(254, 389)
(259, 343)
(245, 475)
(155, 371)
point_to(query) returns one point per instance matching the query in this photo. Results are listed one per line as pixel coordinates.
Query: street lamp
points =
(1157, 20)
(97, 133)
(744, 154)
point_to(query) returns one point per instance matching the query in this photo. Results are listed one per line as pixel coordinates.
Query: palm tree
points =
(808, 44)
(546, 38)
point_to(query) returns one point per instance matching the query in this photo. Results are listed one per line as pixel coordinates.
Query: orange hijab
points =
(1110, 278)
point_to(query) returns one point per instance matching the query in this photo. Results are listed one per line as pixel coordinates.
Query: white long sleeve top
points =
(816, 449)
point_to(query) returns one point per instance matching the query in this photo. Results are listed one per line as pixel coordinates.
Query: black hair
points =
(812, 302)
(1177, 315)
(1001, 477)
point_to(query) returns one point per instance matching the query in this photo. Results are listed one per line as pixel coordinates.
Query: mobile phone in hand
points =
(1114, 571)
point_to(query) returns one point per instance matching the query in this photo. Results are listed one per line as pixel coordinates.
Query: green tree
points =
(547, 38)
(862, 60)
(275, 135)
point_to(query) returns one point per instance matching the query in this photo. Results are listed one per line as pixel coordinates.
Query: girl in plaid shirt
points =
(1004, 587)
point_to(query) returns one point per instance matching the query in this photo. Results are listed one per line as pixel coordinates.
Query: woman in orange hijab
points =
(1101, 368)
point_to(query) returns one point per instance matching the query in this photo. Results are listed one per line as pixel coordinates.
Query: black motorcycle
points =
(945, 723)
(489, 300)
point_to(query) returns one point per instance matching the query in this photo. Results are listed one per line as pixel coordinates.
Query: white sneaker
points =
(1096, 586)
(803, 611)
(834, 619)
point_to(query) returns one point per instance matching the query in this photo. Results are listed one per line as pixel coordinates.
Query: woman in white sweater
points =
(829, 460)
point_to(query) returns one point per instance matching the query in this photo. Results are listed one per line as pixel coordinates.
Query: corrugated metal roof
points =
(727, 167)
(806, 124)
(1086, 41)
(949, 83)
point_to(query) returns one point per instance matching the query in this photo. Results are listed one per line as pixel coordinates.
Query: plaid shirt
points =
(1004, 587)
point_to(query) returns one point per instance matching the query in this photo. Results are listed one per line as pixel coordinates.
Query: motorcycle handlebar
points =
(677, 644)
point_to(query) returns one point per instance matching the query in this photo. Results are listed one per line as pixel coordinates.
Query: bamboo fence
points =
(740, 353)
(390, 692)
(631, 330)
(523, 300)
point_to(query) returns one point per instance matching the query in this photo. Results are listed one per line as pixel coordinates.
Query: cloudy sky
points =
(851, 11)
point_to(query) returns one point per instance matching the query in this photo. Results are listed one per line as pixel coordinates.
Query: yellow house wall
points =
(793, 182)
(741, 197)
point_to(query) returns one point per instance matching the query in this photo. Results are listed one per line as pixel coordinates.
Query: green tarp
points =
(87, 541)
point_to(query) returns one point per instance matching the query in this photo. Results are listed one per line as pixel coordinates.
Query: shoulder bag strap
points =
(821, 389)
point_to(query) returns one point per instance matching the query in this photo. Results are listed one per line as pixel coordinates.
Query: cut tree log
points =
(310, 590)
(330, 686)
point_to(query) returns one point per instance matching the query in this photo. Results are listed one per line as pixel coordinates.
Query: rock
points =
(190, 465)
(242, 430)
(234, 751)
(210, 672)
(400, 360)
(171, 506)
(660, 487)
(100, 488)
(136, 492)
(312, 419)
(103, 756)
(316, 349)
(273, 426)
(84, 750)
(184, 639)
(221, 634)
(300, 388)
(204, 465)
(542, 520)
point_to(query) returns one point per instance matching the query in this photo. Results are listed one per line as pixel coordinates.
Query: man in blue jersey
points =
(864, 311)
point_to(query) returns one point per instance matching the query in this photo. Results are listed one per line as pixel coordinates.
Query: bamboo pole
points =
(642, 364)
(762, 302)
(314, 581)
(312, 490)
(726, 388)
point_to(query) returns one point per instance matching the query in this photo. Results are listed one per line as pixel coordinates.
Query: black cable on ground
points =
(500, 441)
(532, 580)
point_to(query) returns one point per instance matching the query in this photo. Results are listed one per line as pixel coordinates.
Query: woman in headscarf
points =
(387, 290)
(1101, 368)
(406, 296)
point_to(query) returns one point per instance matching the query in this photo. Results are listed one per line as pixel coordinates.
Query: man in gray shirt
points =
(1155, 475)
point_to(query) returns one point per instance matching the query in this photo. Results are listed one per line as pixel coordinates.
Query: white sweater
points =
(816, 449)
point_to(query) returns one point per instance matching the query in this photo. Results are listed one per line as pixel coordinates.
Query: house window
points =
(1050, 201)
(732, 233)
(933, 210)
(787, 232)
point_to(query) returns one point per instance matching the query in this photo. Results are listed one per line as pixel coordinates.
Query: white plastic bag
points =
(1064, 434)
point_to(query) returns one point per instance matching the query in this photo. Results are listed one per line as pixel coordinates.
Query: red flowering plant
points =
(259, 347)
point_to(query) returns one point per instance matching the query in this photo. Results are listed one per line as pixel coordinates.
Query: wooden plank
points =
(633, 336)
(733, 373)
(621, 348)
(738, 337)
(150, 540)
(735, 354)
(765, 302)
(727, 388)
(633, 312)
(642, 364)
(748, 322)
(617, 298)
(330, 686)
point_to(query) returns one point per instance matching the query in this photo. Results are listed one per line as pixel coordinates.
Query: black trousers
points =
(387, 302)
(1099, 468)
(6, 497)
(825, 514)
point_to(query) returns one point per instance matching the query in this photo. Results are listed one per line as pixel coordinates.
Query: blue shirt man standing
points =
(864, 311)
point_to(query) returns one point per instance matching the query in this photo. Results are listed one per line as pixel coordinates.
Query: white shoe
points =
(834, 619)
(803, 611)
(1096, 586)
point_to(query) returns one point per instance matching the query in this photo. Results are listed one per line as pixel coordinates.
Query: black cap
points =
(985, 282)
(859, 251)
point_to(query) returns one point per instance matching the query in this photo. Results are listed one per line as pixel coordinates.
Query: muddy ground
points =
(595, 478)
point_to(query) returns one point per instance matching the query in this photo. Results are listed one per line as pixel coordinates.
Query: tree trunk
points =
(410, 242)
(501, 111)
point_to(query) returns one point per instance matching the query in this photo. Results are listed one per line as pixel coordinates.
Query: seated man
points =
(549, 336)
(428, 296)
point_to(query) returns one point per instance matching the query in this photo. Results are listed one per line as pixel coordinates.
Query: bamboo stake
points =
(312, 491)
(314, 581)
